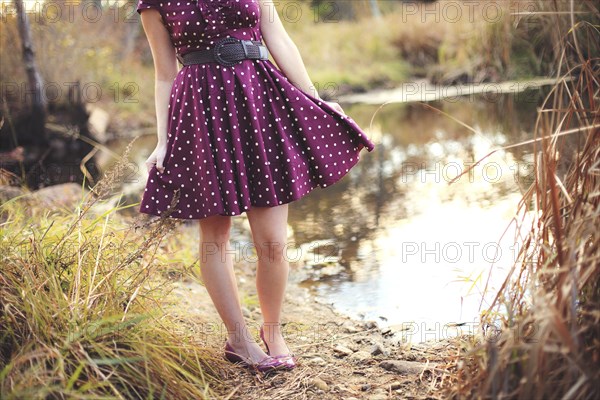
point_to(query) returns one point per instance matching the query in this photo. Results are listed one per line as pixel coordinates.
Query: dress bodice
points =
(198, 24)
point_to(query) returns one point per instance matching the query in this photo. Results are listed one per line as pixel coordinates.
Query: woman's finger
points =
(336, 106)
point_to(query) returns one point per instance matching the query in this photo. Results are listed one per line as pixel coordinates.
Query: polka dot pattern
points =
(244, 135)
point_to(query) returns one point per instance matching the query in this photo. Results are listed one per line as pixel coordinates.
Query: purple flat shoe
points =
(266, 365)
(288, 360)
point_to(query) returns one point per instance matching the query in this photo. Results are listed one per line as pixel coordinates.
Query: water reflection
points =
(414, 248)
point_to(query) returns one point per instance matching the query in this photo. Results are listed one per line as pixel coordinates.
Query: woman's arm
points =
(284, 50)
(165, 70)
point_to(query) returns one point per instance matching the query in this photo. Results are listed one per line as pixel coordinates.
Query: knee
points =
(272, 251)
(217, 230)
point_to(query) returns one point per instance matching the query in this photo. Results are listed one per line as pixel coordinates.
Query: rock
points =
(63, 195)
(349, 327)
(387, 331)
(9, 192)
(370, 325)
(396, 385)
(316, 361)
(359, 356)
(246, 312)
(97, 123)
(378, 348)
(351, 346)
(403, 367)
(362, 339)
(318, 383)
(342, 350)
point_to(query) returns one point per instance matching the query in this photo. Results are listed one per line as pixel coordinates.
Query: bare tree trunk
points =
(334, 10)
(38, 102)
(345, 9)
(132, 31)
(375, 8)
(130, 40)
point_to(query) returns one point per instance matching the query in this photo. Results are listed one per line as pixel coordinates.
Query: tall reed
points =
(542, 336)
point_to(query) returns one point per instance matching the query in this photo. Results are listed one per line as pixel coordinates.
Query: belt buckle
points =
(217, 48)
(245, 44)
(264, 53)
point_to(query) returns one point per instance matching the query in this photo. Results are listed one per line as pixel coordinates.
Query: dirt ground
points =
(338, 358)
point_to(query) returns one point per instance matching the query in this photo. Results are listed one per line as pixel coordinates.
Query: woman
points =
(237, 134)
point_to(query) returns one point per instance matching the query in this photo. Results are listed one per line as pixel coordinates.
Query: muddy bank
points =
(338, 357)
(422, 90)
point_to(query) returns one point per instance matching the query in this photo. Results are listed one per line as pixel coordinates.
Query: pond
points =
(419, 253)
(394, 241)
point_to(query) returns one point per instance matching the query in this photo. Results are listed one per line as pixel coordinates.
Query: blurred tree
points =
(334, 10)
(132, 29)
(375, 8)
(34, 79)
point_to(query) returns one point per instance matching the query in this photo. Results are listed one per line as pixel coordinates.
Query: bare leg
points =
(216, 266)
(269, 233)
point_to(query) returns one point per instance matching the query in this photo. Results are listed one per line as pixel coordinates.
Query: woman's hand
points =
(157, 158)
(336, 106)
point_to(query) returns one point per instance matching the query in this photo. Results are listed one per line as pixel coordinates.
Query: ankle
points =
(271, 325)
(272, 330)
(239, 337)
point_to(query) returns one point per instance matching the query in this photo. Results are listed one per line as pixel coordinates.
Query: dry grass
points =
(451, 42)
(543, 334)
(342, 52)
(340, 55)
(106, 54)
(81, 313)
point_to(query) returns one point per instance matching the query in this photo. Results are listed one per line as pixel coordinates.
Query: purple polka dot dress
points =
(244, 135)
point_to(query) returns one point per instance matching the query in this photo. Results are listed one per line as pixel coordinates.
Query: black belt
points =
(227, 52)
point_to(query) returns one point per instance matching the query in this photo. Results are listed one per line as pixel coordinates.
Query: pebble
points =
(352, 346)
(319, 384)
(317, 361)
(402, 367)
(361, 339)
(349, 327)
(360, 356)
(387, 331)
(396, 385)
(342, 350)
(370, 325)
(378, 348)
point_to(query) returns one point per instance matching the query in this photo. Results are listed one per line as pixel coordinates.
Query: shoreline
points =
(338, 357)
(423, 90)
